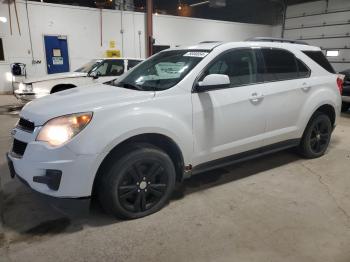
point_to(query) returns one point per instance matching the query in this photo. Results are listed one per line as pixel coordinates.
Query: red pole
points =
(9, 6)
(101, 27)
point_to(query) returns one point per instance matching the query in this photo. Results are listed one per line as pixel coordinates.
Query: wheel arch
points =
(57, 87)
(329, 111)
(165, 143)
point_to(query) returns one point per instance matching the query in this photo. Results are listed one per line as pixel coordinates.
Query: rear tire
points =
(316, 137)
(138, 183)
(345, 107)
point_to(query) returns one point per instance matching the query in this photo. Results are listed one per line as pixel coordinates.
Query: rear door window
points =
(304, 71)
(279, 65)
(320, 59)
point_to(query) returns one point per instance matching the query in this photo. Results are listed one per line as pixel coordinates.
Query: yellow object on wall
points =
(113, 53)
(112, 44)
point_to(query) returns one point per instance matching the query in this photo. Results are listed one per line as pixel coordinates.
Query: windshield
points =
(89, 66)
(162, 71)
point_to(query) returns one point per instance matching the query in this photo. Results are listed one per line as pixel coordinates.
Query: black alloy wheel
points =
(143, 185)
(320, 136)
(317, 136)
(137, 183)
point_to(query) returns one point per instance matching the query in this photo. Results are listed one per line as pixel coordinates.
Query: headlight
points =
(25, 87)
(59, 130)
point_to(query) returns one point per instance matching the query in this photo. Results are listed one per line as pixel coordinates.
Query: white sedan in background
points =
(96, 71)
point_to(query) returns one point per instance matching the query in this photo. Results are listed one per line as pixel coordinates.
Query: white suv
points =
(181, 112)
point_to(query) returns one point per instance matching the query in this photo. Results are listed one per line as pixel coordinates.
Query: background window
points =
(239, 65)
(111, 68)
(332, 53)
(279, 65)
(102, 69)
(2, 56)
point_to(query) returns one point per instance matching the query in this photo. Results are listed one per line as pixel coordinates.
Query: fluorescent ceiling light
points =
(3, 19)
(332, 53)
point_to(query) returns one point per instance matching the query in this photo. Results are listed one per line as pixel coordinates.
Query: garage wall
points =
(173, 30)
(322, 25)
(82, 27)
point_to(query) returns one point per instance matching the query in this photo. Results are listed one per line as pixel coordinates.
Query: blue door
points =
(56, 49)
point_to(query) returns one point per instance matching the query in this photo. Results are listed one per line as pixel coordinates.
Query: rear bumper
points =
(346, 99)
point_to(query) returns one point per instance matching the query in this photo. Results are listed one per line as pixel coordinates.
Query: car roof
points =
(210, 45)
(120, 58)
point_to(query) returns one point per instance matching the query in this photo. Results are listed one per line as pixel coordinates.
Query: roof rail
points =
(210, 42)
(275, 39)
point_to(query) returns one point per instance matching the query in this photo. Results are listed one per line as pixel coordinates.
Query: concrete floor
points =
(275, 208)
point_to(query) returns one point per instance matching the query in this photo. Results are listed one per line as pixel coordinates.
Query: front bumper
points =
(57, 172)
(25, 96)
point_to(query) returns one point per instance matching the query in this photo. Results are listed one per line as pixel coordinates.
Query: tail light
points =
(340, 84)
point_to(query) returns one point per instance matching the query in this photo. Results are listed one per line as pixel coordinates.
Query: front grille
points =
(18, 148)
(25, 125)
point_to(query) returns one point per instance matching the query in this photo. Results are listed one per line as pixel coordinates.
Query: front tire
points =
(316, 136)
(137, 184)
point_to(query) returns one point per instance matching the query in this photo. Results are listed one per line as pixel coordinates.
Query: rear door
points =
(287, 87)
(56, 49)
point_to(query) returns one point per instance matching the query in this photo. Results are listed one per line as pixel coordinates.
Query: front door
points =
(230, 120)
(56, 49)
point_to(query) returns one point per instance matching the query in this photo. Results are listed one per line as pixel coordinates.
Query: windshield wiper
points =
(130, 86)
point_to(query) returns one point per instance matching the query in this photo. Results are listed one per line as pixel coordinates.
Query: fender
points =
(320, 97)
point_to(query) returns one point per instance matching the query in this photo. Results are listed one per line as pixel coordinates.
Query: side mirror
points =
(95, 74)
(213, 81)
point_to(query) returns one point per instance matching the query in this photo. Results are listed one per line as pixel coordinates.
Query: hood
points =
(53, 77)
(80, 99)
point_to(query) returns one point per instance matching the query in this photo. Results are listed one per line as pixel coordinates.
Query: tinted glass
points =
(279, 65)
(133, 63)
(239, 65)
(320, 59)
(304, 71)
(2, 56)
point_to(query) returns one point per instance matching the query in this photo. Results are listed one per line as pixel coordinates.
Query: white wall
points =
(317, 32)
(277, 31)
(82, 27)
(174, 30)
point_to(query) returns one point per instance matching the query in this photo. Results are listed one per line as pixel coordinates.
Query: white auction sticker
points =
(196, 54)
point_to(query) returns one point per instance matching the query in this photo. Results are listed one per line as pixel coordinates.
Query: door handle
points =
(255, 98)
(306, 87)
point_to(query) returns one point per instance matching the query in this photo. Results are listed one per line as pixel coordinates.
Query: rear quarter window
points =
(320, 59)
